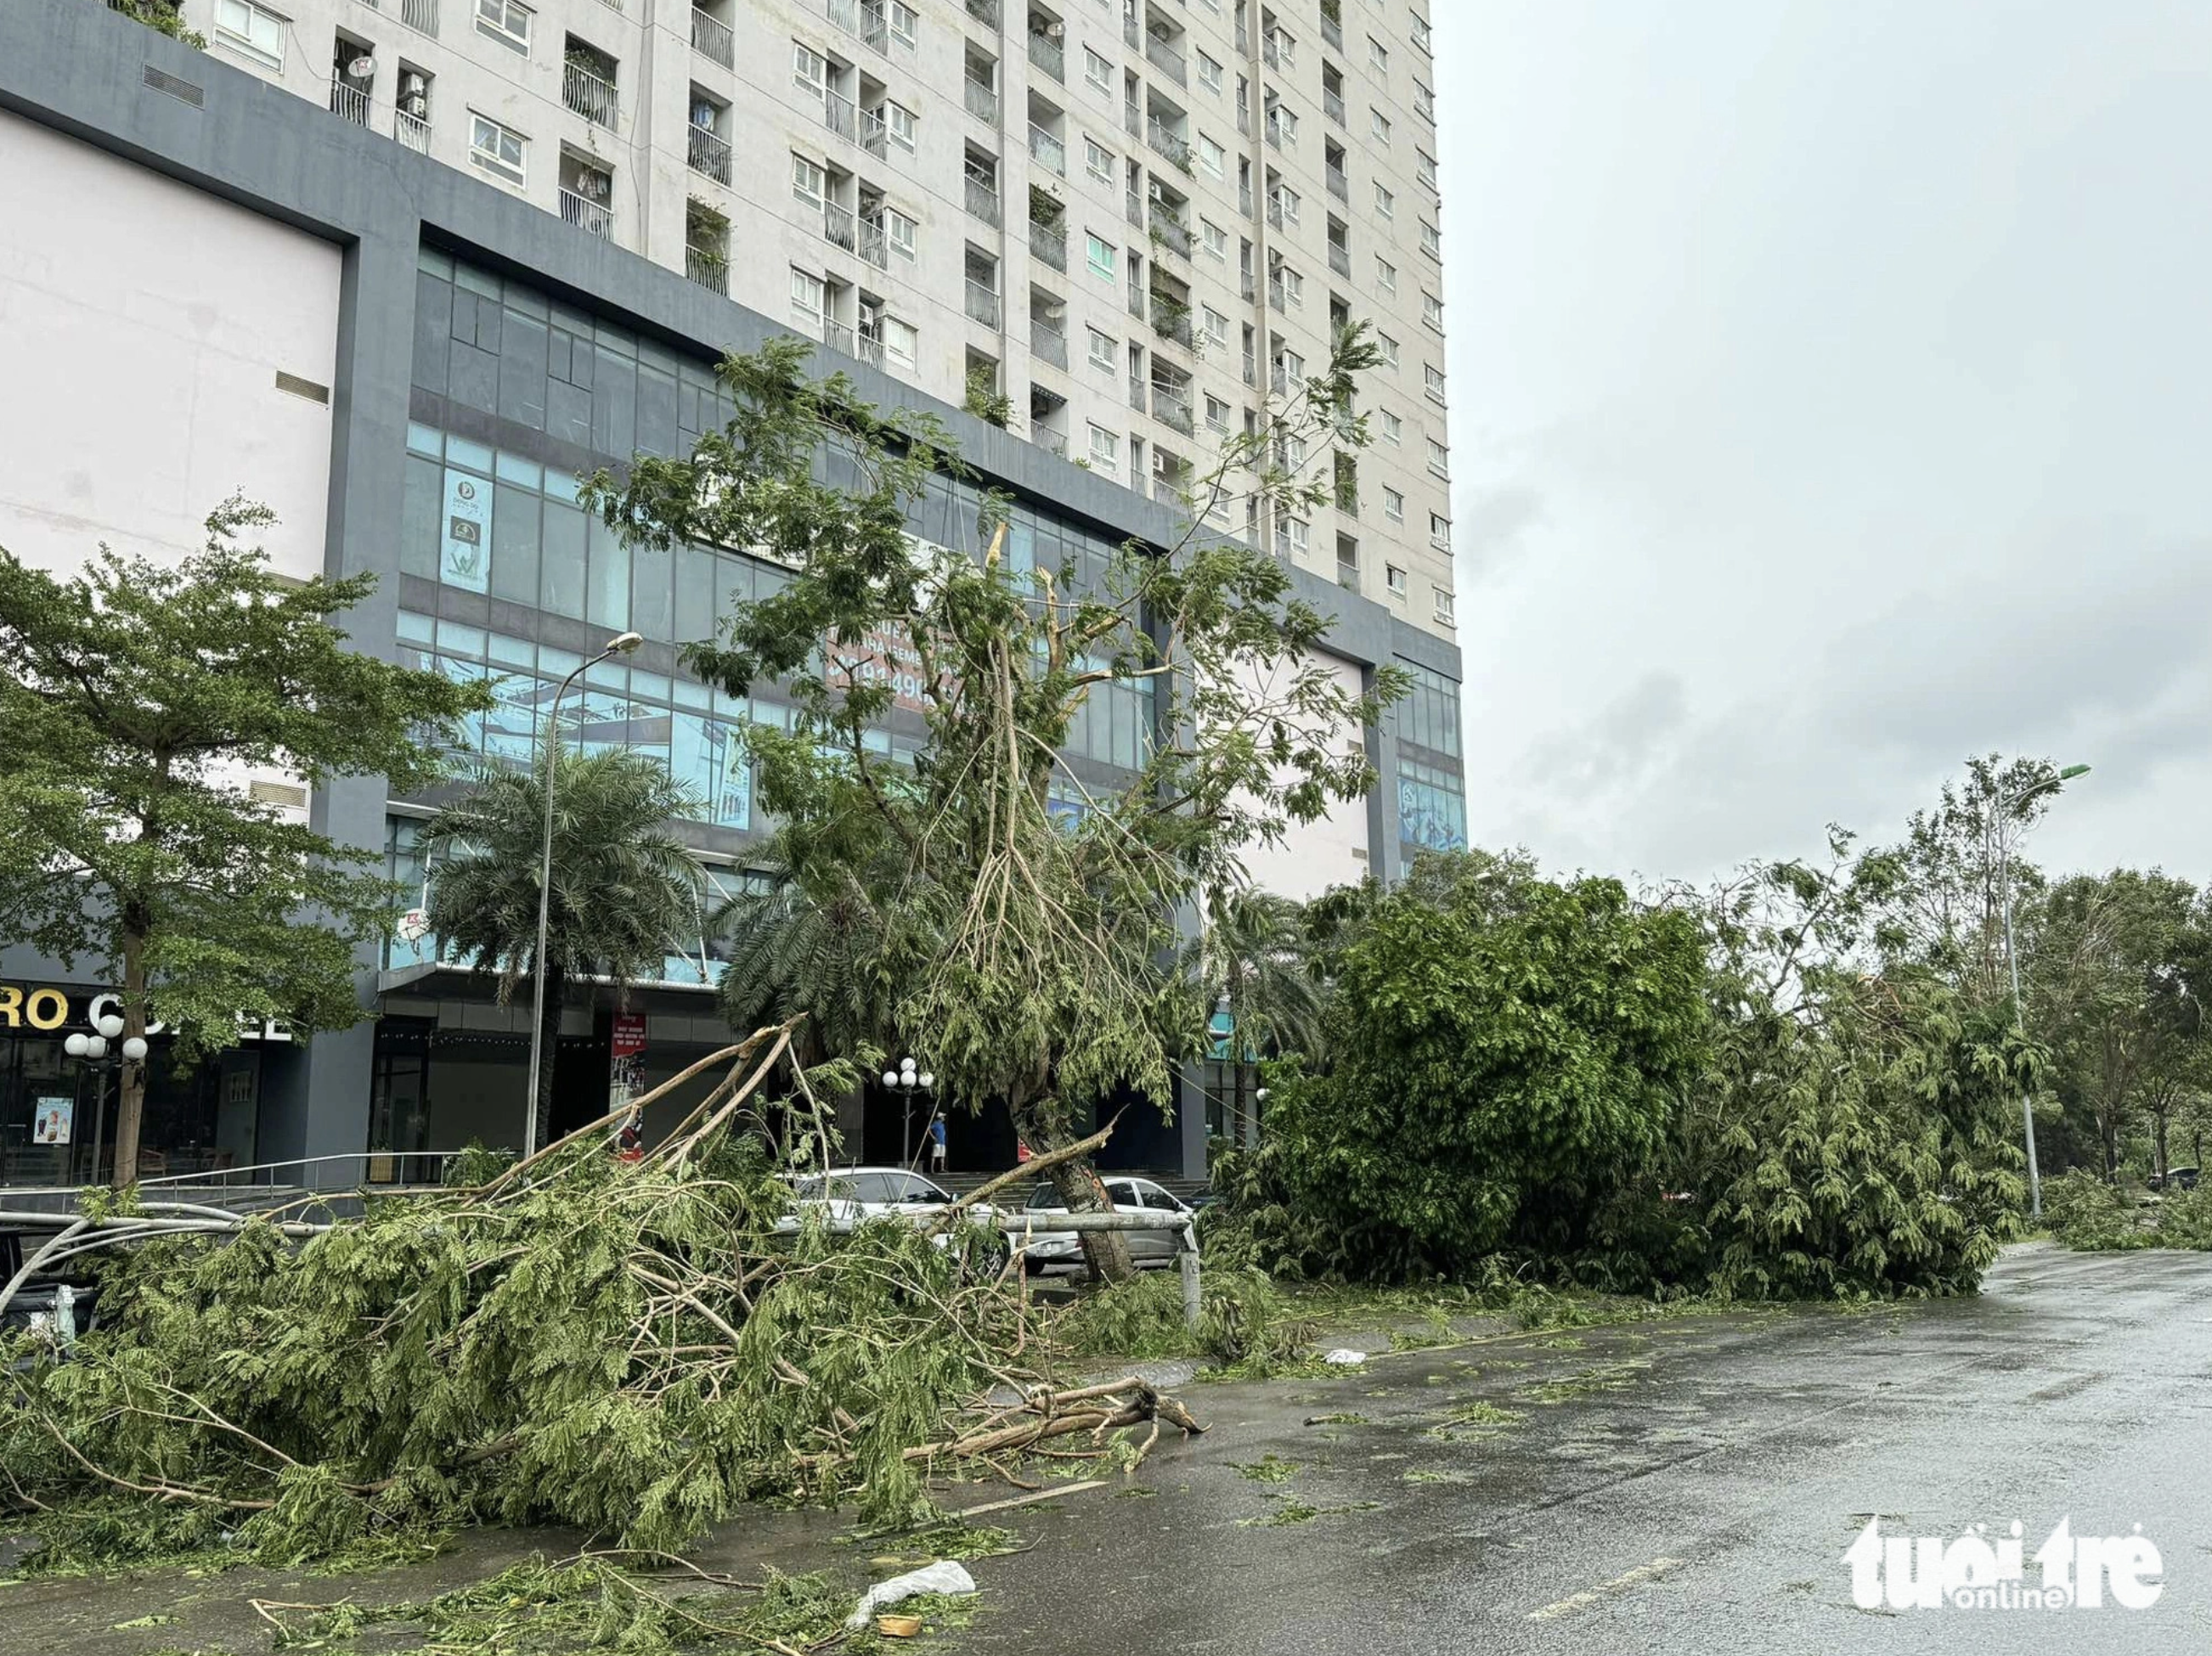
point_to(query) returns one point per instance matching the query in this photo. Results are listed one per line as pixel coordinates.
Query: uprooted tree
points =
(1007, 918)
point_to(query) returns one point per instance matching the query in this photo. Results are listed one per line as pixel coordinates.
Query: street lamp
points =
(620, 645)
(906, 1083)
(94, 1052)
(2006, 805)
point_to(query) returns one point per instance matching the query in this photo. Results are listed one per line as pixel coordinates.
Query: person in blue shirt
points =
(937, 1144)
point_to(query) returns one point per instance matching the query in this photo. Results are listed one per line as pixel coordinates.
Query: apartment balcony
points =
(1049, 55)
(1171, 321)
(1340, 184)
(1048, 151)
(874, 136)
(1161, 56)
(1248, 286)
(1331, 31)
(984, 12)
(1132, 120)
(982, 304)
(348, 101)
(983, 201)
(1053, 442)
(875, 26)
(708, 268)
(982, 101)
(875, 245)
(869, 346)
(1245, 199)
(412, 130)
(838, 336)
(594, 218)
(1339, 258)
(1047, 342)
(1278, 51)
(842, 116)
(1347, 499)
(1172, 407)
(708, 155)
(1137, 302)
(1130, 33)
(1277, 299)
(1137, 393)
(421, 15)
(592, 96)
(1275, 212)
(1177, 149)
(1169, 231)
(840, 226)
(1280, 136)
(1331, 104)
(1347, 575)
(1049, 244)
(713, 38)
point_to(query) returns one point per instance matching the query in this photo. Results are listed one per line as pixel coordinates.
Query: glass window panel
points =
(559, 485)
(470, 457)
(421, 514)
(514, 469)
(556, 664)
(651, 604)
(685, 693)
(608, 602)
(695, 610)
(434, 325)
(522, 372)
(649, 687)
(513, 651)
(656, 410)
(425, 439)
(614, 402)
(510, 729)
(608, 675)
(458, 641)
(514, 545)
(560, 578)
(414, 628)
(734, 583)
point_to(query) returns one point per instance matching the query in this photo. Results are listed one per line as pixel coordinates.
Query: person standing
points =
(937, 1144)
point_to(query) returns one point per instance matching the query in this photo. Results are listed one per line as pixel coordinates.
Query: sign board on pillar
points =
(626, 1065)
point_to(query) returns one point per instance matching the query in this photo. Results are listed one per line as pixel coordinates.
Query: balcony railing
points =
(982, 303)
(875, 26)
(1339, 258)
(1137, 302)
(1279, 51)
(1174, 149)
(869, 346)
(1173, 407)
(874, 136)
(587, 214)
(983, 201)
(1048, 149)
(707, 267)
(421, 15)
(982, 101)
(1161, 55)
(839, 224)
(1056, 441)
(1281, 134)
(1171, 321)
(1331, 31)
(1049, 55)
(875, 243)
(1339, 185)
(1132, 118)
(348, 101)
(709, 154)
(984, 12)
(1277, 299)
(1049, 244)
(713, 38)
(1133, 209)
(1169, 232)
(1136, 393)
(1049, 342)
(592, 96)
(837, 335)
(412, 130)
(842, 116)
(1331, 104)
(1275, 212)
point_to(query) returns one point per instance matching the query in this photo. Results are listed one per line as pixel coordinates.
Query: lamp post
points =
(906, 1083)
(2007, 803)
(92, 1050)
(621, 645)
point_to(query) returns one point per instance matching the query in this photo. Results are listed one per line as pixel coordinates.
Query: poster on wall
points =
(50, 1122)
(734, 792)
(464, 554)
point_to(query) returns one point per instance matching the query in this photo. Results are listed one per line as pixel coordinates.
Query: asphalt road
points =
(1688, 1485)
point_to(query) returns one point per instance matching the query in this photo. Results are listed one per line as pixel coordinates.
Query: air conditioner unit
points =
(415, 93)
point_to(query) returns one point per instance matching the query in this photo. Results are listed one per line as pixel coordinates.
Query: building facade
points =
(216, 286)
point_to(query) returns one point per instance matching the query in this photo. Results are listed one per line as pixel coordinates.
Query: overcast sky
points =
(1829, 397)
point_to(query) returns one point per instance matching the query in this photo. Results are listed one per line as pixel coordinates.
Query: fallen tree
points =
(633, 1349)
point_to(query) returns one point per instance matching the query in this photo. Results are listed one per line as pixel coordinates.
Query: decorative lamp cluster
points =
(906, 1080)
(110, 1029)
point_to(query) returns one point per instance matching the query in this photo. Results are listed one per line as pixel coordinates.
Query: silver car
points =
(1054, 1251)
(846, 1196)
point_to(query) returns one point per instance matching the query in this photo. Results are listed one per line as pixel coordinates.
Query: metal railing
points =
(713, 38)
(1133, 207)
(875, 27)
(983, 201)
(709, 154)
(1136, 393)
(412, 130)
(1339, 258)
(1174, 149)
(1339, 182)
(1161, 55)
(984, 12)
(1331, 104)
(1173, 407)
(1170, 231)
(1281, 136)
(875, 243)
(1279, 51)
(1136, 301)
(1133, 119)
(1331, 31)
(1275, 212)
(592, 96)
(982, 101)
(594, 218)
(1056, 441)
(421, 15)
(839, 224)
(1048, 149)
(1049, 55)
(1049, 244)
(1049, 342)
(1172, 319)
(836, 335)
(982, 303)
(840, 115)
(845, 13)
(869, 346)
(708, 268)
(874, 136)
(348, 101)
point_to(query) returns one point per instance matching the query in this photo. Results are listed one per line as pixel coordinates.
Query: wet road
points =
(1688, 1485)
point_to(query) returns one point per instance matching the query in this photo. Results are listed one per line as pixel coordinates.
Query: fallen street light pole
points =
(1028, 1226)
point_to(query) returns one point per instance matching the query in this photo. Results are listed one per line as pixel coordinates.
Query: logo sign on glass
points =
(465, 553)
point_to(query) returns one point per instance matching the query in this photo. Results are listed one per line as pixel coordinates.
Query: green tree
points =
(136, 697)
(625, 890)
(1045, 900)
(1252, 958)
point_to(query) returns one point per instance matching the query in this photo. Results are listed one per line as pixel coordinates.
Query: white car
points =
(1054, 1251)
(850, 1196)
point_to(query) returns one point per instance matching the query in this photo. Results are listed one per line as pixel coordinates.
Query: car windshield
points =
(1042, 1196)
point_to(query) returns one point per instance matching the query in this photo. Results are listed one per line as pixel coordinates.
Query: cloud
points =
(1492, 524)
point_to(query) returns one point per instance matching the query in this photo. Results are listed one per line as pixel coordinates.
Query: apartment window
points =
(497, 149)
(1294, 287)
(1291, 537)
(1098, 255)
(808, 181)
(1433, 311)
(1379, 124)
(1393, 429)
(1440, 531)
(898, 121)
(1216, 239)
(1097, 160)
(1424, 102)
(1393, 505)
(1439, 458)
(1209, 73)
(1217, 415)
(1432, 240)
(902, 22)
(1210, 157)
(808, 293)
(1105, 349)
(1378, 54)
(256, 31)
(1098, 71)
(1432, 380)
(507, 21)
(1217, 327)
(898, 230)
(902, 344)
(1420, 31)
(1386, 205)
(1286, 202)
(1386, 275)
(809, 70)
(1388, 347)
(1443, 602)
(1394, 578)
(1105, 449)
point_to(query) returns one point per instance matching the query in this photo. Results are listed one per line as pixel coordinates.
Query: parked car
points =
(2176, 1178)
(1058, 1251)
(849, 1197)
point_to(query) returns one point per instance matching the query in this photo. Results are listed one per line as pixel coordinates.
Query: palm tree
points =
(1253, 957)
(624, 889)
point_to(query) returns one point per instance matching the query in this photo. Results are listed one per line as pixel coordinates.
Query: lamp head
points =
(928, 1081)
(95, 1047)
(890, 1077)
(623, 643)
(76, 1045)
(109, 1025)
(2073, 771)
(134, 1049)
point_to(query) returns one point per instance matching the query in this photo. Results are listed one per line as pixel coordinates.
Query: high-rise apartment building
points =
(1130, 219)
